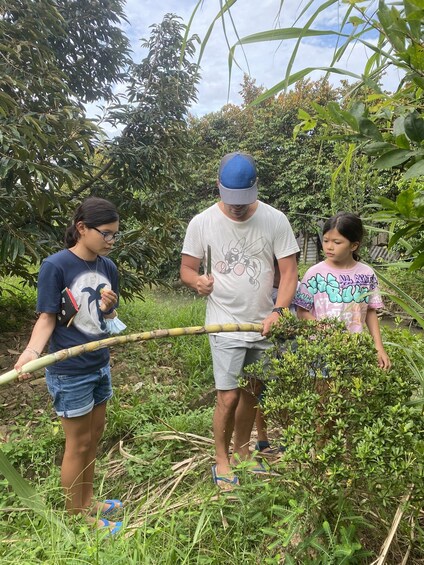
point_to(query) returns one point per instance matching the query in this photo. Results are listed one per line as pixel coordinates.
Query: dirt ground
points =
(16, 397)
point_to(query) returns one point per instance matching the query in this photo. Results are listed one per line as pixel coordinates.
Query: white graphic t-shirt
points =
(242, 262)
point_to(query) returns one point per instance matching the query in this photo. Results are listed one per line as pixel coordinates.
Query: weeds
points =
(157, 452)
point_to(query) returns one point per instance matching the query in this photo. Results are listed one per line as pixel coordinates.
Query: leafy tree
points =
(50, 152)
(46, 140)
(145, 167)
(387, 126)
(93, 50)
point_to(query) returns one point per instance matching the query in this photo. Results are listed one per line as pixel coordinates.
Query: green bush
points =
(354, 443)
(17, 305)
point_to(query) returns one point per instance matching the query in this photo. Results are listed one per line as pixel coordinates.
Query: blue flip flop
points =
(113, 531)
(265, 449)
(114, 506)
(225, 480)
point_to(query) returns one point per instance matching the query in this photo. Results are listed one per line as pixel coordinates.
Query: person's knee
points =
(227, 400)
(78, 446)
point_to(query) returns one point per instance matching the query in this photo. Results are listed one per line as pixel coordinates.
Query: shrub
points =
(350, 433)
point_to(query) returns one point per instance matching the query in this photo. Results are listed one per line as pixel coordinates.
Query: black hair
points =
(93, 211)
(349, 226)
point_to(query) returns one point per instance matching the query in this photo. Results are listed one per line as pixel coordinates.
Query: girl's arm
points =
(374, 328)
(303, 314)
(41, 333)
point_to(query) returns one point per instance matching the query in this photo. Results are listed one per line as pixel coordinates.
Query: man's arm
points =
(286, 289)
(288, 281)
(189, 273)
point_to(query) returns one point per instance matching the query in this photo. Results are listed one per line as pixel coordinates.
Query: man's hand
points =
(204, 285)
(269, 321)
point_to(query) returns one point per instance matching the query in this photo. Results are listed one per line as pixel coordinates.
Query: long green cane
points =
(63, 354)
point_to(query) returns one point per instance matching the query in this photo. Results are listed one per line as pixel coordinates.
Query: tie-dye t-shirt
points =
(345, 294)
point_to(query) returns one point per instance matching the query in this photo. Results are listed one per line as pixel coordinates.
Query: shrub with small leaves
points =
(347, 426)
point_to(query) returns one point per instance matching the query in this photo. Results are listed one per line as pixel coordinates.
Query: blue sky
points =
(266, 62)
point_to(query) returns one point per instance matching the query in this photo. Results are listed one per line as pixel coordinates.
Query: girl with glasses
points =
(80, 386)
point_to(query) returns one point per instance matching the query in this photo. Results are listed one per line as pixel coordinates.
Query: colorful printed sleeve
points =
(375, 301)
(304, 297)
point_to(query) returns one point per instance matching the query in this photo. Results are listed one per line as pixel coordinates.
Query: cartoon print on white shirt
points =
(242, 259)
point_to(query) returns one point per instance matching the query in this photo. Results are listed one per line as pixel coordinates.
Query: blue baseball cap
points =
(237, 179)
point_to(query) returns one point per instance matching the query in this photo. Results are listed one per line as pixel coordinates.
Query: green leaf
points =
(417, 3)
(28, 494)
(387, 203)
(350, 119)
(419, 81)
(295, 78)
(282, 34)
(393, 158)
(358, 110)
(369, 129)
(418, 263)
(416, 170)
(355, 21)
(410, 306)
(405, 202)
(414, 127)
(389, 20)
(335, 112)
(398, 126)
(377, 148)
(402, 142)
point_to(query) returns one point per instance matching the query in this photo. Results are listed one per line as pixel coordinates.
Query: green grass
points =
(153, 457)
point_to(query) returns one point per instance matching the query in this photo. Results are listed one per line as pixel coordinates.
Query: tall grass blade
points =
(28, 494)
(408, 304)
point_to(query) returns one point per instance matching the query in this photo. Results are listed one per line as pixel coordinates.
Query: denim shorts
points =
(76, 395)
(230, 356)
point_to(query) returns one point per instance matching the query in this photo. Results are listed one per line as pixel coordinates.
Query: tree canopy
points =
(51, 154)
(388, 127)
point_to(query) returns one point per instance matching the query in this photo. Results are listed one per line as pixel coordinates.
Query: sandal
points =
(114, 530)
(264, 448)
(222, 482)
(114, 506)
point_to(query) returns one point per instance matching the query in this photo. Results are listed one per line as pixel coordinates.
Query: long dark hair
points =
(349, 226)
(93, 211)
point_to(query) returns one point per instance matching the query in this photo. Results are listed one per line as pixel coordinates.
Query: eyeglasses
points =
(108, 236)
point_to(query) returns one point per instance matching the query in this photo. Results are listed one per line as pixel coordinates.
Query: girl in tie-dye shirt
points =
(341, 286)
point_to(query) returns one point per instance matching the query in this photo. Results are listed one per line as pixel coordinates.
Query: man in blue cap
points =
(243, 235)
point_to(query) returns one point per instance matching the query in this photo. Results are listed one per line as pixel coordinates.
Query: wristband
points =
(279, 310)
(33, 351)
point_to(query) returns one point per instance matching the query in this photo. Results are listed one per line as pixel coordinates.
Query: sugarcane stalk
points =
(64, 354)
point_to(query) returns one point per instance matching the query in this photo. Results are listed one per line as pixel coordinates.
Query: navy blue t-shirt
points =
(85, 279)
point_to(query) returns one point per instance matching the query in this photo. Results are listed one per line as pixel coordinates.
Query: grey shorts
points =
(230, 356)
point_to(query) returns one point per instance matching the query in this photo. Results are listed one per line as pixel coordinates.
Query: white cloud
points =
(266, 62)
